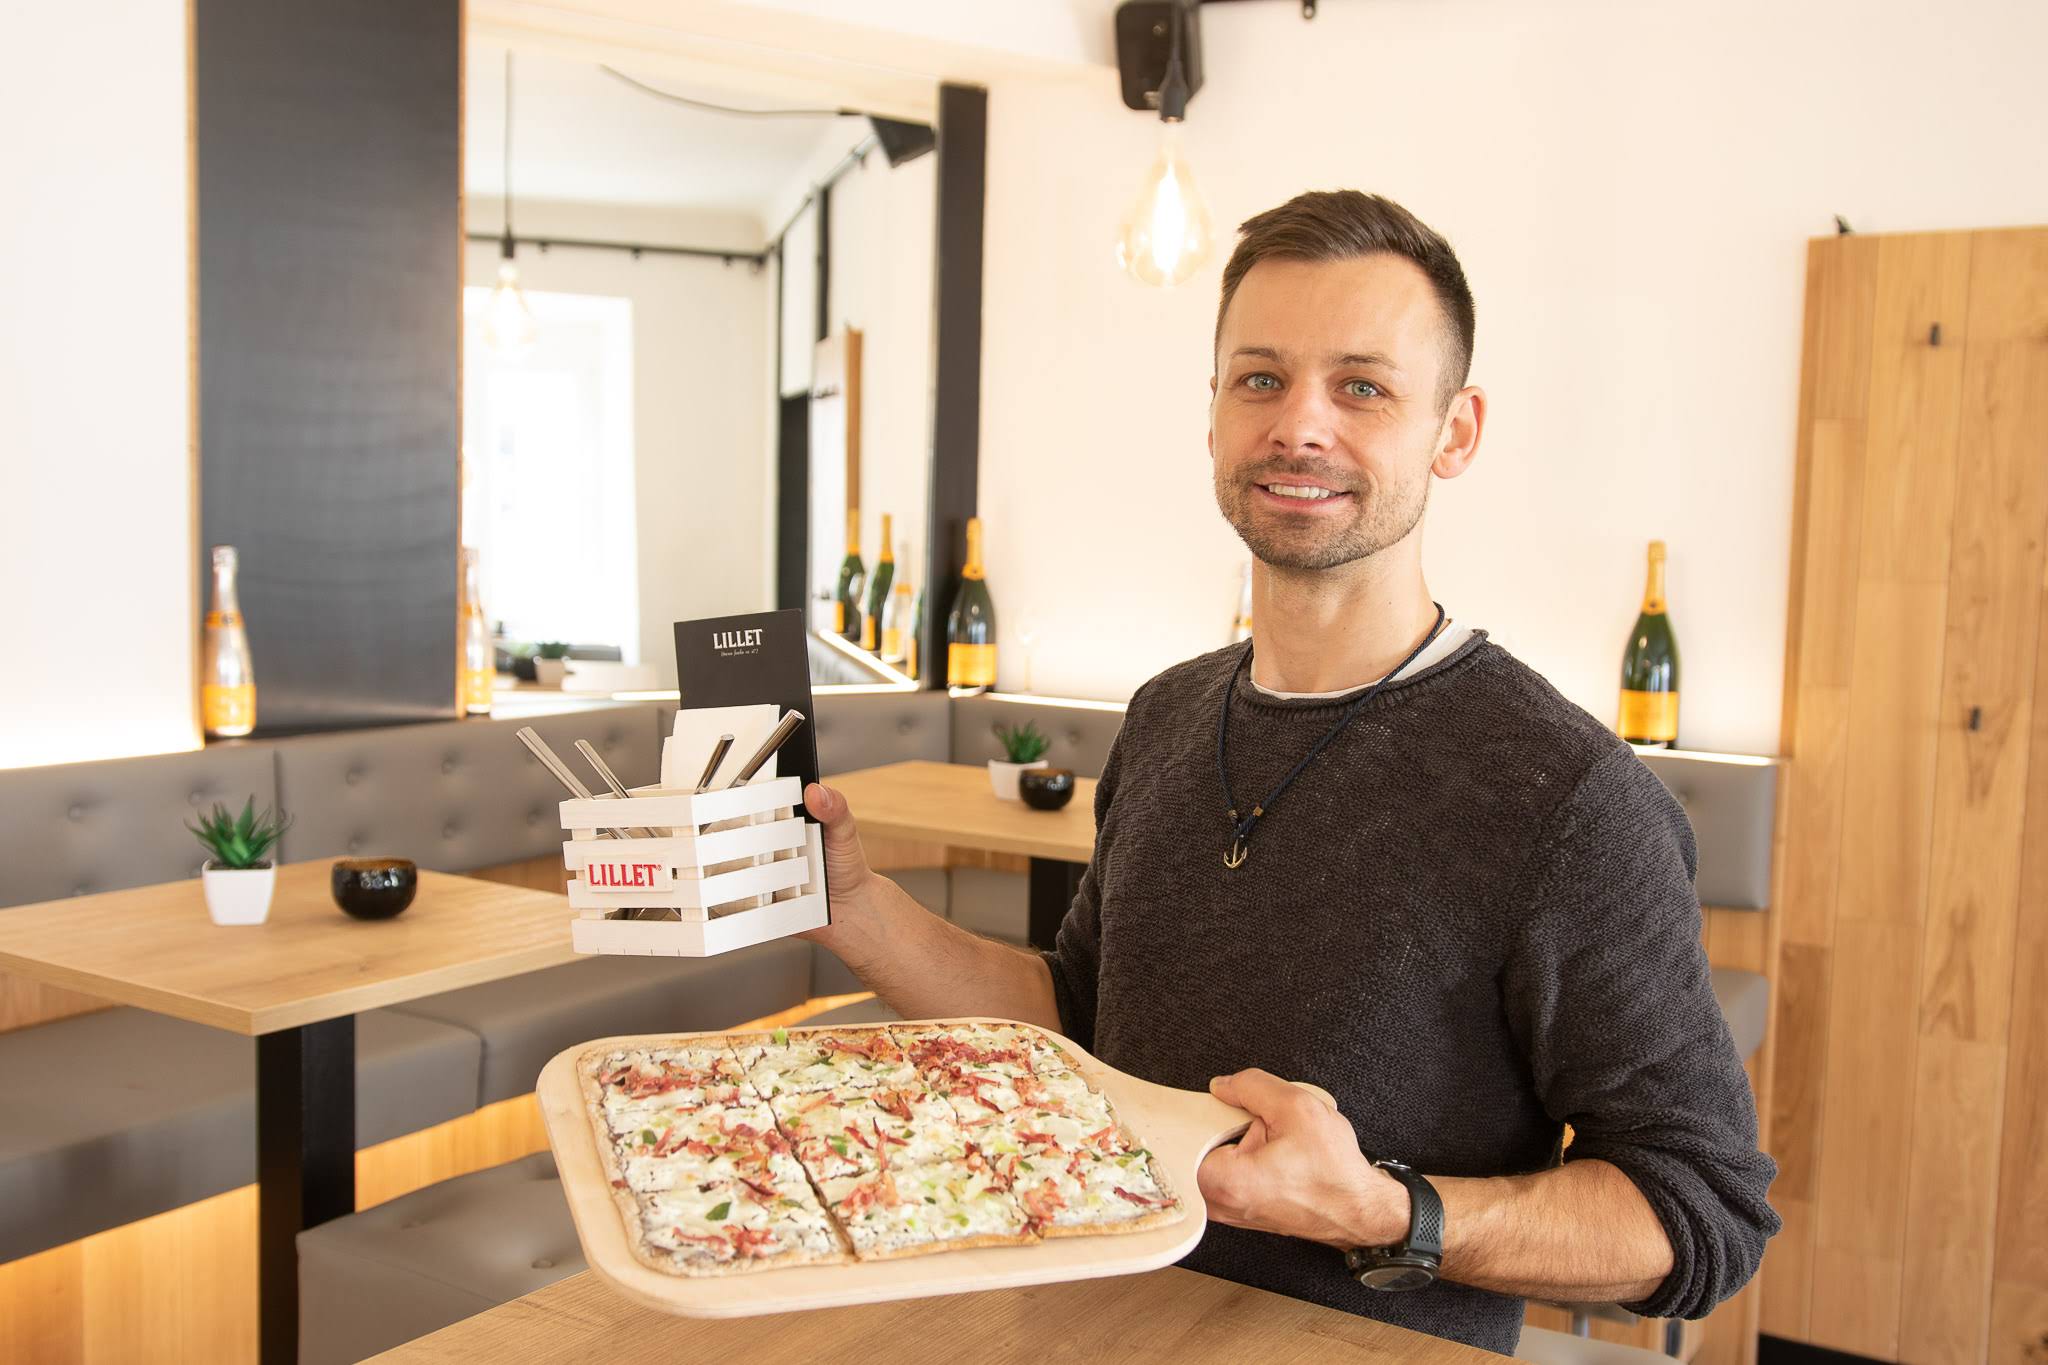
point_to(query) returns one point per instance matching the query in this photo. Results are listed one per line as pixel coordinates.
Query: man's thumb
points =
(842, 840)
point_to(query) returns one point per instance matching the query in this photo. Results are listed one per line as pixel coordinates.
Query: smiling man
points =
(1372, 850)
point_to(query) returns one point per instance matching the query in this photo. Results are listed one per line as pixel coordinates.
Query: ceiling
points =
(583, 136)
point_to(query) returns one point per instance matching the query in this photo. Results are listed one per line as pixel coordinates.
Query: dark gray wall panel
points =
(329, 180)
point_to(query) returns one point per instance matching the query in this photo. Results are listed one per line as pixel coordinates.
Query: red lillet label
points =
(626, 876)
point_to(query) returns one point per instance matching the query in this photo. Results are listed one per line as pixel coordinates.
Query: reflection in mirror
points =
(650, 285)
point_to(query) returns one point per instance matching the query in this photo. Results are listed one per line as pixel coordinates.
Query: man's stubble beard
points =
(1376, 522)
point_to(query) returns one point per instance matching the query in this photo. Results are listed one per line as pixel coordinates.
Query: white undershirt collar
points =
(1442, 647)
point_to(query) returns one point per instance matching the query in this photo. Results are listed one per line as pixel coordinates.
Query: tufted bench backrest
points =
(453, 796)
(76, 828)
(1732, 803)
(867, 729)
(1080, 736)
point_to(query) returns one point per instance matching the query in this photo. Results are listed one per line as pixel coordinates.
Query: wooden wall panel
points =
(1865, 1138)
(2020, 1266)
(1909, 1084)
(1910, 466)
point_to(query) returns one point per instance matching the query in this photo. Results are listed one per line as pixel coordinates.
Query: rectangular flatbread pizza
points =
(754, 1151)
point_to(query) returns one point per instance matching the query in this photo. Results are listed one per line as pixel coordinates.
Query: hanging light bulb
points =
(1166, 233)
(509, 328)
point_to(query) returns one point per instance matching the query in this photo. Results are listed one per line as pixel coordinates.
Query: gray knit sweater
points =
(1471, 920)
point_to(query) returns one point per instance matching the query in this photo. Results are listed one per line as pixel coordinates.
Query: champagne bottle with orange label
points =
(1649, 667)
(879, 584)
(853, 577)
(971, 626)
(477, 664)
(227, 684)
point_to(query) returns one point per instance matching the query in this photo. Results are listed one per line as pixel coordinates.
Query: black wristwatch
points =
(1412, 1262)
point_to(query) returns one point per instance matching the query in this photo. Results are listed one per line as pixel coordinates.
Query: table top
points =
(1171, 1316)
(154, 946)
(953, 804)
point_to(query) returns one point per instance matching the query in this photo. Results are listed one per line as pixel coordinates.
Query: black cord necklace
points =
(1241, 828)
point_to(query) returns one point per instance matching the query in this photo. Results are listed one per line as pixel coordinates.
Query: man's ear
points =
(1458, 442)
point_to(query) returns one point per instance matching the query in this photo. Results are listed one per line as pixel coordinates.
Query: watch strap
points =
(1425, 1213)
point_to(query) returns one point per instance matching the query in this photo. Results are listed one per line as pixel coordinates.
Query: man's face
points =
(1325, 421)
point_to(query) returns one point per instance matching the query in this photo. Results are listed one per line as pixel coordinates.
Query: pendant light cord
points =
(506, 250)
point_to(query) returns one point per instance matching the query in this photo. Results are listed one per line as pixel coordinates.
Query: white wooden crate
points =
(735, 865)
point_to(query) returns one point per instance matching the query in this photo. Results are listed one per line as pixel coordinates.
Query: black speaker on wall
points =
(329, 300)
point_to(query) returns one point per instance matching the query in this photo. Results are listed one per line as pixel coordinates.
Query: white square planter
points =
(237, 896)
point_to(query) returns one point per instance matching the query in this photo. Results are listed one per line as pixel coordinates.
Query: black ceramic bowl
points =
(1046, 788)
(374, 888)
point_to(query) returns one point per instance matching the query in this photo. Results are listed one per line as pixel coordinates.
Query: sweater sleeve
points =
(1607, 986)
(1076, 954)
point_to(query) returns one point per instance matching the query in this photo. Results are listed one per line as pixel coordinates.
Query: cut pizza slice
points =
(977, 1099)
(681, 1146)
(1077, 1170)
(1088, 1194)
(725, 1227)
(801, 1061)
(840, 1133)
(982, 1049)
(937, 1206)
(635, 1082)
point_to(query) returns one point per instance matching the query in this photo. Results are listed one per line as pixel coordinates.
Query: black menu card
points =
(762, 656)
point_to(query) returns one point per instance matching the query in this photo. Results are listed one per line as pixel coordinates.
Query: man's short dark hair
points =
(1344, 225)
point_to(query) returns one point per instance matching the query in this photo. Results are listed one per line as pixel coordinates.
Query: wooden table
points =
(1171, 1316)
(952, 804)
(295, 984)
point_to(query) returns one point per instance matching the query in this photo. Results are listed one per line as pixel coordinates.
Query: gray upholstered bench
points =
(1562, 1348)
(377, 1278)
(120, 1114)
(524, 1020)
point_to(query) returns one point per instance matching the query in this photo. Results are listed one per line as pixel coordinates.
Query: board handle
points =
(1228, 1123)
(1319, 1093)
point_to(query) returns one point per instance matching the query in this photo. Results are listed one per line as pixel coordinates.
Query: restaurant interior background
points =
(1632, 190)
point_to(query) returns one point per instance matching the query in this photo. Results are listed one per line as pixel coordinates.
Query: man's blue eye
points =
(1372, 389)
(1253, 380)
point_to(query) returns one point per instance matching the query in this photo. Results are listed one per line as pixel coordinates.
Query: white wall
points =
(1630, 188)
(882, 273)
(703, 467)
(882, 276)
(95, 386)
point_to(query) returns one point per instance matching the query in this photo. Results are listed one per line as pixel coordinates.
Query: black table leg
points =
(1054, 884)
(305, 1161)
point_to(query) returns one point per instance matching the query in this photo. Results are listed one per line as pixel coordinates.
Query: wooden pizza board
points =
(1178, 1126)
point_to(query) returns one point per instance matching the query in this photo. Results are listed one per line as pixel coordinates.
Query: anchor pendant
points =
(1239, 851)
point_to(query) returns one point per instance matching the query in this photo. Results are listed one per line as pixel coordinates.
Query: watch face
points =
(1392, 1278)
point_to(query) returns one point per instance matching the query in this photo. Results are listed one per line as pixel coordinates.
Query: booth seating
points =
(175, 1123)
(1562, 1348)
(458, 796)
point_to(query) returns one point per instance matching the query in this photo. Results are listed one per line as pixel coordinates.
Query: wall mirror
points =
(698, 353)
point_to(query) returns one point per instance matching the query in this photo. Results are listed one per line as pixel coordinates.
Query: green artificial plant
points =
(1023, 743)
(239, 843)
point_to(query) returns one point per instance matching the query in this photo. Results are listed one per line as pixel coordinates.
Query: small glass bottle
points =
(227, 683)
(476, 661)
(896, 615)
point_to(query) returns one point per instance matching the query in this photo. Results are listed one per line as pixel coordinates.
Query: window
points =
(547, 494)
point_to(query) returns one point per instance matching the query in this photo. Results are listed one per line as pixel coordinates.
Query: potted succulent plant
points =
(1025, 747)
(239, 873)
(550, 663)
